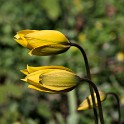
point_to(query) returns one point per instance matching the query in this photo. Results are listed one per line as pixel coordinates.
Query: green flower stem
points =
(89, 77)
(98, 98)
(73, 115)
(118, 104)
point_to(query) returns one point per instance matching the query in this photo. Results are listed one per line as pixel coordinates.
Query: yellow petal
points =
(25, 79)
(37, 86)
(48, 35)
(43, 89)
(25, 71)
(45, 37)
(34, 69)
(59, 78)
(33, 43)
(51, 49)
(20, 37)
(56, 88)
(34, 84)
(31, 82)
(22, 42)
(35, 76)
(22, 33)
(40, 89)
(17, 36)
(88, 104)
(50, 89)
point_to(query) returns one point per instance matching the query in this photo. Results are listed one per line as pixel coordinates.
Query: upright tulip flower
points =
(52, 79)
(43, 42)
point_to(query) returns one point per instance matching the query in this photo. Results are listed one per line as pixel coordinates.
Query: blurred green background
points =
(97, 25)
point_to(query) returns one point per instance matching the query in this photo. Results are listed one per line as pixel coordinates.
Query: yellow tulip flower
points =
(43, 42)
(88, 104)
(52, 79)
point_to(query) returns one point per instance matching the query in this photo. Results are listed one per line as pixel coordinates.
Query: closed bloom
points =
(43, 42)
(88, 104)
(52, 79)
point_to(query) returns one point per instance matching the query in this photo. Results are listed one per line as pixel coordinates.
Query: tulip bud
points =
(88, 104)
(52, 79)
(43, 42)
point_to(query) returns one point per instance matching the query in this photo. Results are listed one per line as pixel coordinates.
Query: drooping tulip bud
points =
(52, 79)
(88, 104)
(43, 42)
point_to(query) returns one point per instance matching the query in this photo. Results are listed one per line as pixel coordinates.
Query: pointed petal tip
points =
(41, 90)
(24, 71)
(30, 86)
(81, 109)
(16, 36)
(24, 80)
(30, 53)
(78, 109)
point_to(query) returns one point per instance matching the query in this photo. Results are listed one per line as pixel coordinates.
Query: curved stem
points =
(98, 98)
(85, 58)
(89, 77)
(118, 104)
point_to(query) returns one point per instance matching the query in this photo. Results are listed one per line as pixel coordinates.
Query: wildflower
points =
(120, 56)
(43, 42)
(88, 104)
(52, 79)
